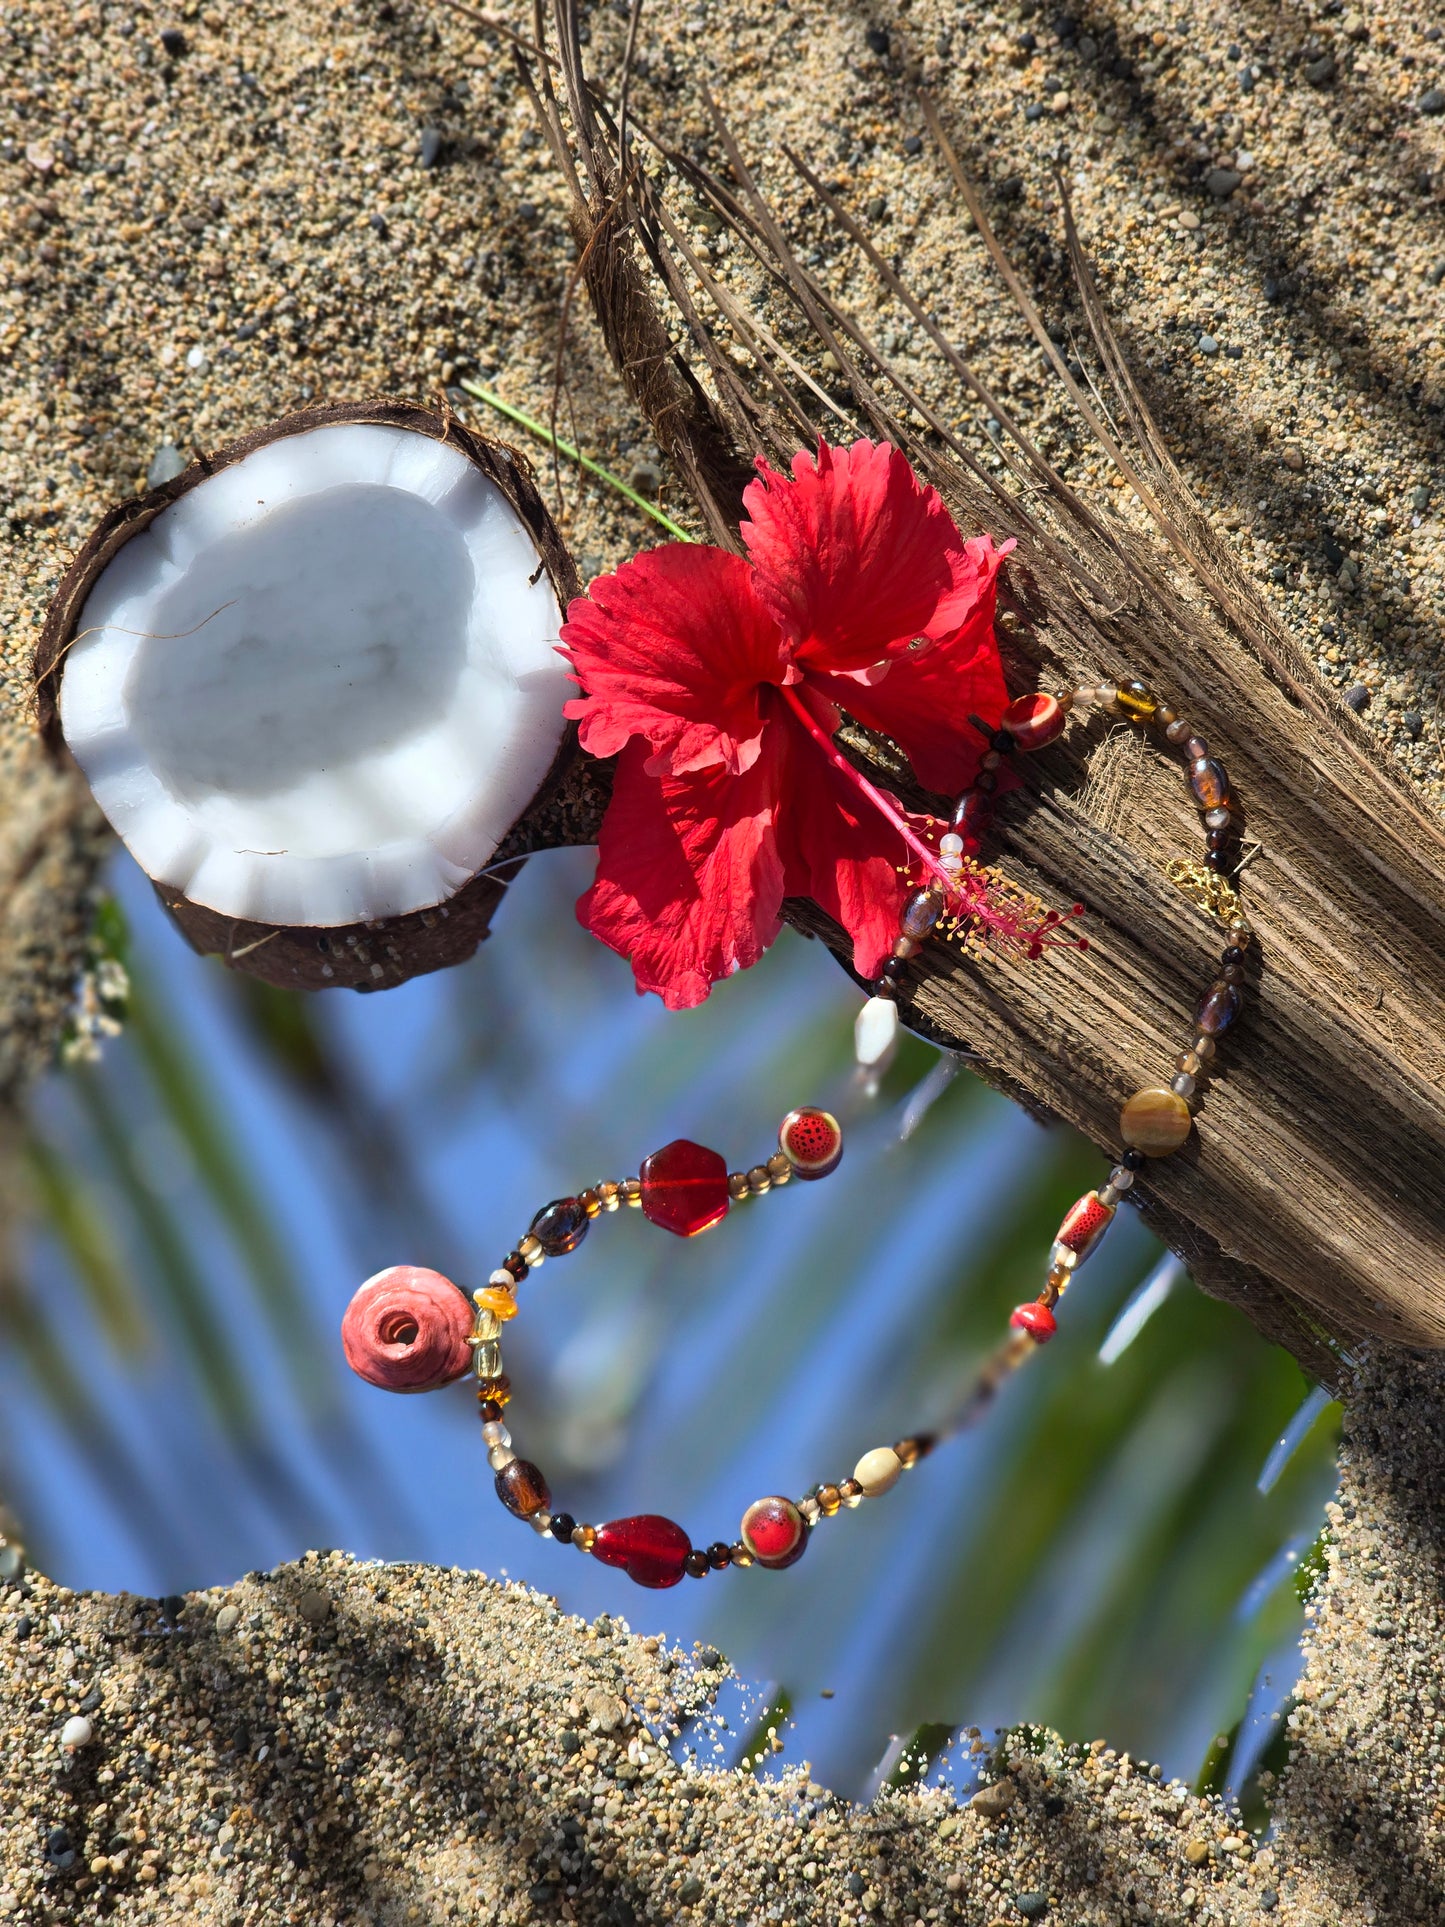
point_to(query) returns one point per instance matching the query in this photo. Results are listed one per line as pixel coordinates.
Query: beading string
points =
(410, 1330)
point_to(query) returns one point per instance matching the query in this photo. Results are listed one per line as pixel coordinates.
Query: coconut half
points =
(314, 685)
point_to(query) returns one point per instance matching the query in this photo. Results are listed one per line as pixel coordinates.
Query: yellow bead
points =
(1155, 1121)
(591, 1200)
(610, 1194)
(584, 1537)
(829, 1499)
(878, 1471)
(632, 1191)
(501, 1304)
(1138, 703)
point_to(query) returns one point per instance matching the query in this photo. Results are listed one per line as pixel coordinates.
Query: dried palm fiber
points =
(1312, 1193)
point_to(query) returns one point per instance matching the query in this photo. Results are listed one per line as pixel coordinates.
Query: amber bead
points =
(1218, 1008)
(1164, 715)
(501, 1304)
(829, 1499)
(522, 1488)
(719, 1555)
(850, 1492)
(920, 913)
(741, 1557)
(496, 1391)
(1138, 701)
(559, 1227)
(610, 1194)
(1208, 782)
(1190, 1063)
(584, 1537)
(590, 1201)
(632, 1191)
(697, 1565)
(1155, 1121)
(918, 1446)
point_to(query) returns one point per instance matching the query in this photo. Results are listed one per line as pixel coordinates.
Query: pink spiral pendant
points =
(406, 1330)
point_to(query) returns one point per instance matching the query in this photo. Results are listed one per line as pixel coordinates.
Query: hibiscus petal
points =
(924, 701)
(855, 557)
(689, 881)
(838, 850)
(672, 647)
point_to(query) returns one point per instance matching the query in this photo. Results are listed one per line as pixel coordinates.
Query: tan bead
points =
(531, 1249)
(850, 1492)
(908, 1452)
(1189, 1062)
(632, 1192)
(590, 1200)
(759, 1183)
(610, 1194)
(740, 1554)
(780, 1167)
(584, 1537)
(738, 1184)
(878, 1471)
(1155, 1121)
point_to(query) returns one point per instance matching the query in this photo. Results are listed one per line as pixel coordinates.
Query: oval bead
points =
(875, 1035)
(1137, 701)
(1209, 783)
(920, 913)
(522, 1488)
(811, 1140)
(774, 1532)
(1085, 1225)
(407, 1330)
(650, 1549)
(559, 1227)
(1218, 1008)
(878, 1471)
(972, 814)
(1155, 1121)
(1035, 720)
(1035, 1319)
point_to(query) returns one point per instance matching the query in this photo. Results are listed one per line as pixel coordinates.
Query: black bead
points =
(1234, 955)
(562, 1527)
(1219, 861)
(696, 1564)
(719, 1555)
(1218, 839)
(882, 987)
(1133, 1160)
(892, 972)
(985, 781)
(1001, 741)
(516, 1264)
(489, 1411)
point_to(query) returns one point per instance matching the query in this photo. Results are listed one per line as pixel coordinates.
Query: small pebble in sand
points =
(227, 1618)
(1414, 724)
(314, 1607)
(429, 147)
(1358, 697)
(76, 1732)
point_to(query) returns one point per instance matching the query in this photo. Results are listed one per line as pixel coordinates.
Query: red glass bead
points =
(1084, 1225)
(650, 1549)
(684, 1187)
(1037, 1320)
(812, 1141)
(774, 1532)
(1035, 720)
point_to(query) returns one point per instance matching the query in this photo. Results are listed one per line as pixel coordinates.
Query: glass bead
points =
(495, 1433)
(499, 1457)
(1164, 715)
(532, 1250)
(904, 947)
(950, 844)
(1204, 1048)
(1138, 701)
(517, 1265)
(920, 913)
(852, 1493)
(1233, 955)
(501, 1279)
(1121, 1178)
(1196, 749)
(1218, 1008)
(1035, 720)
(1183, 1084)
(759, 1183)
(1057, 1279)
(912, 1449)
(1232, 974)
(559, 1227)
(774, 1532)
(878, 1471)
(697, 1565)
(829, 1500)
(1133, 1160)
(1220, 839)
(486, 1325)
(892, 972)
(811, 1140)
(1208, 782)
(1178, 731)
(1240, 931)
(1107, 695)
(991, 759)
(719, 1555)
(737, 1184)
(498, 1389)
(1219, 818)
(972, 814)
(1084, 1225)
(810, 1510)
(632, 1192)
(584, 1537)
(1035, 1319)
(488, 1411)
(1064, 1256)
(1190, 1062)
(1219, 861)
(684, 1188)
(590, 1201)
(875, 1033)
(780, 1168)
(1108, 1195)
(487, 1359)
(740, 1555)
(500, 1302)
(610, 1194)
(563, 1526)
(540, 1522)
(651, 1550)
(1155, 1121)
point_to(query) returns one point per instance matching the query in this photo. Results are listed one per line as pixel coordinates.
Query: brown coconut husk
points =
(361, 956)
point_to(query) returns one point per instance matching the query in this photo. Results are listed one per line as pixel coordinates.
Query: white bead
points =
(500, 1456)
(77, 1731)
(950, 845)
(540, 1521)
(495, 1433)
(503, 1280)
(875, 1033)
(878, 1471)
(1121, 1177)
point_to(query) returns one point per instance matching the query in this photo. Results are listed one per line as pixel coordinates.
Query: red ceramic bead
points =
(1035, 720)
(1084, 1225)
(648, 1548)
(406, 1330)
(812, 1141)
(1037, 1320)
(684, 1187)
(774, 1532)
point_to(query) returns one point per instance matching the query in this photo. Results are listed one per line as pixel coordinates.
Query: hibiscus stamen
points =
(929, 858)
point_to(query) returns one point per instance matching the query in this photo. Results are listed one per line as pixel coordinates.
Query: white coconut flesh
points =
(323, 684)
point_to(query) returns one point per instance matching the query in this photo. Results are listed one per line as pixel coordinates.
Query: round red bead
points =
(650, 1549)
(1035, 720)
(1037, 1320)
(812, 1141)
(774, 1532)
(407, 1330)
(684, 1187)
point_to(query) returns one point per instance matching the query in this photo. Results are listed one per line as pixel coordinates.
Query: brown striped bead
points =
(1155, 1121)
(1218, 1008)
(920, 913)
(1209, 783)
(522, 1488)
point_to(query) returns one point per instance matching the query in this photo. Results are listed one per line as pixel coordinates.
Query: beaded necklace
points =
(409, 1329)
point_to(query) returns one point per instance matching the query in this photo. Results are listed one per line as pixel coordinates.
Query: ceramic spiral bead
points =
(408, 1330)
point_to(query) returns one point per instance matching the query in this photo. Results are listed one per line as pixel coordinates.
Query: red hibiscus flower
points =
(718, 682)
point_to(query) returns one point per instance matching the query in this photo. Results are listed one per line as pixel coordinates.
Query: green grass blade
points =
(544, 434)
(77, 1220)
